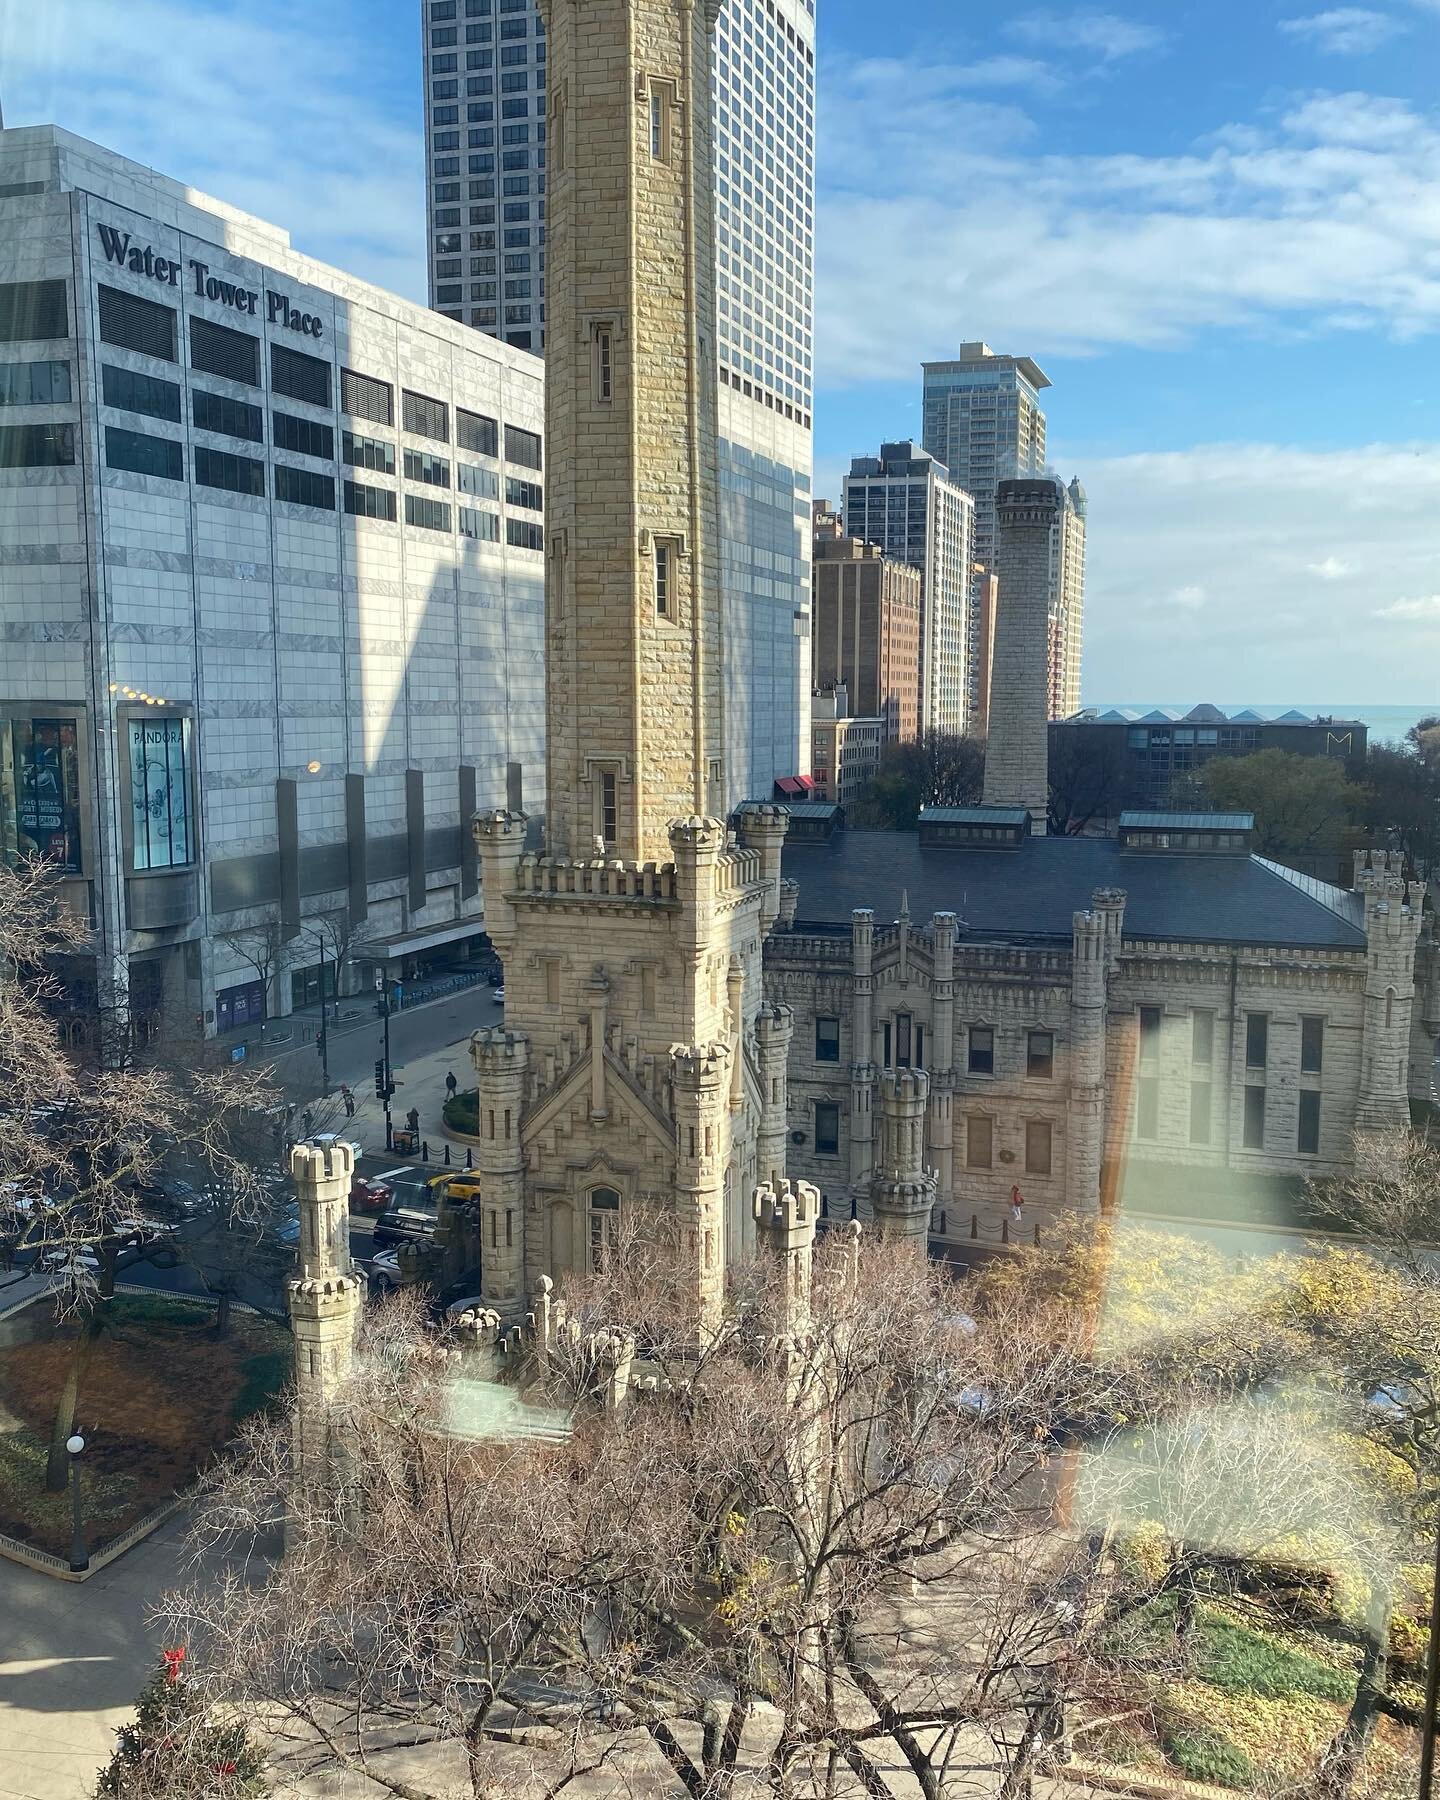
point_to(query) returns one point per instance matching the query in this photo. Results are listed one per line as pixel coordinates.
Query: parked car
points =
(385, 1271)
(500, 993)
(367, 1195)
(399, 1224)
(71, 1260)
(324, 1139)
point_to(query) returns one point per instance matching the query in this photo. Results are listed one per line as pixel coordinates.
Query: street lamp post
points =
(79, 1551)
(389, 1076)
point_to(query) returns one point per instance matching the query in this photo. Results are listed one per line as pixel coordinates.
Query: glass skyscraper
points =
(485, 163)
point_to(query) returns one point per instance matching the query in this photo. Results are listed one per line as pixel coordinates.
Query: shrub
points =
(462, 1112)
(173, 1752)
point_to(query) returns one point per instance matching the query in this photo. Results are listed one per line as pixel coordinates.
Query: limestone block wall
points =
(1012, 991)
(1228, 987)
(634, 691)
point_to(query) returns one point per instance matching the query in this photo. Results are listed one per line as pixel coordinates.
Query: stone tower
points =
(1393, 913)
(325, 1295)
(1028, 515)
(632, 595)
(634, 1072)
(903, 1191)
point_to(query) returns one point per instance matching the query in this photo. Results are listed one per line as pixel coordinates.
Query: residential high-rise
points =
(982, 419)
(1067, 603)
(904, 501)
(485, 160)
(866, 631)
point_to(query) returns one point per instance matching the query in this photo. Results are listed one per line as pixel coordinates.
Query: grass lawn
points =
(1259, 1698)
(159, 1396)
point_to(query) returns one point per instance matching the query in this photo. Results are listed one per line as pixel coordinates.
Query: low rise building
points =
(1147, 749)
(274, 592)
(845, 750)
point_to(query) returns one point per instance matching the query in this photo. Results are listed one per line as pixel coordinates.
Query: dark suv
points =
(398, 1224)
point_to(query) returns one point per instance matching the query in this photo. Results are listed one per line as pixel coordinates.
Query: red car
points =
(368, 1196)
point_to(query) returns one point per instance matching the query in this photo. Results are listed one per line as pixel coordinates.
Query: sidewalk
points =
(73, 1657)
(419, 1083)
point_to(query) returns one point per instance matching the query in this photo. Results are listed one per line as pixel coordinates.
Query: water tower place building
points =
(271, 557)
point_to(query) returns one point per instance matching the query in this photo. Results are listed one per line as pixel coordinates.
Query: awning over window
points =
(796, 787)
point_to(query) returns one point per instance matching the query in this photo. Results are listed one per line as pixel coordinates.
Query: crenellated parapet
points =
(787, 1215)
(762, 829)
(595, 878)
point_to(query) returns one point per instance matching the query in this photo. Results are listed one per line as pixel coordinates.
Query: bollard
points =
(1037, 1234)
(425, 1151)
(469, 1157)
(974, 1225)
(854, 1207)
(447, 1156)
(942, 1222)
(824, 1206)
(1004, 1231)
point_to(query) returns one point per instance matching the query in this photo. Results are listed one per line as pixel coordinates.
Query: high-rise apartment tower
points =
(904, 501)
(486, 151)
(983, 420)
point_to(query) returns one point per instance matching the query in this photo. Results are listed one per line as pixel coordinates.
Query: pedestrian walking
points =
(450, 1084)
(349, 1099)
(412, 1118)
(307, 1121)
(1017, 1203)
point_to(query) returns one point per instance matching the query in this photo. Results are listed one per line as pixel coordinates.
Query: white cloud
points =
(271, 108)
(940, 216)
(1331, 569)
(1236, 521)
(1346, 30)
(1106, 34)
(1408, 611)
(1191, 598)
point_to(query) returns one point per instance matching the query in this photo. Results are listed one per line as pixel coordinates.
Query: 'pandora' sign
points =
(140, 259)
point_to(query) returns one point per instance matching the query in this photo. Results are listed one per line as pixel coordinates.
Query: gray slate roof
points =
(1033, 890)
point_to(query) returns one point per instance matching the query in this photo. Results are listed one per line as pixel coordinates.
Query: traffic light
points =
(380, 1092)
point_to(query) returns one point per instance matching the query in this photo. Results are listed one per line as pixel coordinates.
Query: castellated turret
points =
(700, 1081)
(1095, 942)
(1394, 909)
(787, 1215)
(501, 1060)
(774, 1030)
(325, 1296)
(903, 1191)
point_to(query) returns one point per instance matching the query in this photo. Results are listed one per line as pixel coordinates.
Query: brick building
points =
(865, 630)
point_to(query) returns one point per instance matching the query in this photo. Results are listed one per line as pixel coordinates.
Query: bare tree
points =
(1088, 776)
(263, 946)
(740, 1570)
(81, 1150)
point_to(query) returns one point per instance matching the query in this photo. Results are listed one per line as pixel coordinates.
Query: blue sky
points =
(1217, 228)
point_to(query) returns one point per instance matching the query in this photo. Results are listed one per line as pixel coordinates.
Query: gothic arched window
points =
(604, 1220)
